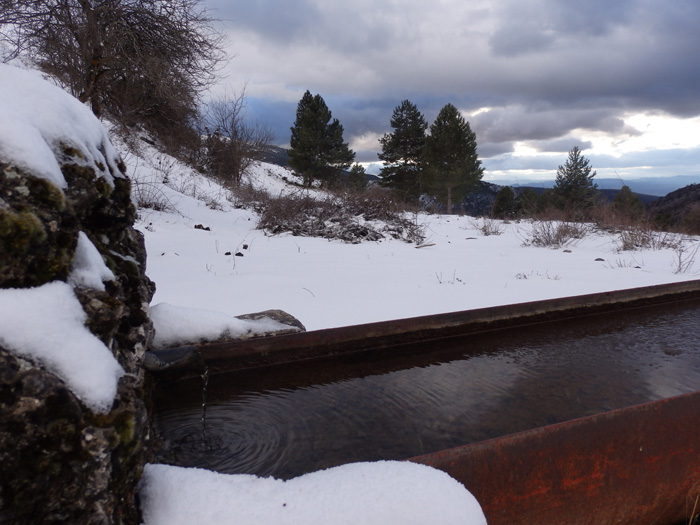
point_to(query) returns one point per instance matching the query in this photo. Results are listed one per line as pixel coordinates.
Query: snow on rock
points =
(179, 325)
(88, 267)
(39, 120)
(46, 324)
(379, 493)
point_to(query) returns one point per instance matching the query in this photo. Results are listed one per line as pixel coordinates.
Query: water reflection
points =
(285, 422)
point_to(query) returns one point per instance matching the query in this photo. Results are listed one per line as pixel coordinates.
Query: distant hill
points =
(654, 186)
(679, 209)
(276, 155)
(481, 201)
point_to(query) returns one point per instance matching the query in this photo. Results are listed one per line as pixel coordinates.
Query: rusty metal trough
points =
(636, 465)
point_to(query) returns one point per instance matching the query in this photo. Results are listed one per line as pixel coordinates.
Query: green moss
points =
(48, 193)
(103, 187)
(126, 430)
(20, 231)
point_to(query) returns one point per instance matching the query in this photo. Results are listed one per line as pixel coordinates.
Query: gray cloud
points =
(526, 27)
(547, 68)
(523, 123)
(559, 145)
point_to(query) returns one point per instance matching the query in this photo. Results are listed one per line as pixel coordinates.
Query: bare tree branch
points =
(232, 143)
(142, 60)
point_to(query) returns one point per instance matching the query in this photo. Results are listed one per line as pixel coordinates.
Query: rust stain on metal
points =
(635, 465)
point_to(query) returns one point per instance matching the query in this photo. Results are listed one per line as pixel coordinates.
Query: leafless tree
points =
(233, 144)
(135, 59)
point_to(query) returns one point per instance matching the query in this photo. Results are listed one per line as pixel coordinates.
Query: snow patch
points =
(47, 324)
(88, 267)
(178, 325)
(378, 493)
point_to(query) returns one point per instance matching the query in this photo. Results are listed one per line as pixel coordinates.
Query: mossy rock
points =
(38, 231)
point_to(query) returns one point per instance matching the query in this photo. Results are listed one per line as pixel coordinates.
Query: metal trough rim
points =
(191, 360)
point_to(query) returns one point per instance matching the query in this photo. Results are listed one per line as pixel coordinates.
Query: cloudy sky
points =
(620, 79)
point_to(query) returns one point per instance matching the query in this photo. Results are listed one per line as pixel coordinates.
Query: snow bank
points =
(39, 119)
(380, 493)
(178, 325)
(46, 324)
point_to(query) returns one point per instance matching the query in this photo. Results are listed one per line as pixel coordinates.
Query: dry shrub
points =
(556, 234)
(643, 237)
(245, 195)
(488, 226)
(148, 194)
(351, 217)
(691, 222)
(551, 213)
(607, 218)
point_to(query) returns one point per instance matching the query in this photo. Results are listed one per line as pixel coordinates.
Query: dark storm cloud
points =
(282, 22)
(491, 149)
(527, 27)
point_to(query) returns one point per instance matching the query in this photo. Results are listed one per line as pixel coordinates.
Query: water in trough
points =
(288, 420)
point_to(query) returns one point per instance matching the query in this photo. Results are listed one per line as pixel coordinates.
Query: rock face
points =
(59, 461)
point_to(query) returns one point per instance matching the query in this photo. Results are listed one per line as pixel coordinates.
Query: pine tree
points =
(452, 166)
(402, 151)
(527, 202)
(317, 149)
(505, 206)
(357, 179)
(627, 205)
(574, 189)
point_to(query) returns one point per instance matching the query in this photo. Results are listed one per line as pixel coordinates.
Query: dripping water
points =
(205, 384)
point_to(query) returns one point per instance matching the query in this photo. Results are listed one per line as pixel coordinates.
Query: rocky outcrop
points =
(60, 461)
(288, 323)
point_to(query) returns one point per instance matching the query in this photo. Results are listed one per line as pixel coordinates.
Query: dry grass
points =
(556, 234)
(488, 226)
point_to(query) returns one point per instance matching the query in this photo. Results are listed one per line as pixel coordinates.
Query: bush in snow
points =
(369, 216)
(556, 234)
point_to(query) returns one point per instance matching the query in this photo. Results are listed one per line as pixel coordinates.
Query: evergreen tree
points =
(357, 179)
(627, 205)
(527, 202)
(574, 189)
(505, 206)
(452, 168)
(402, 151)
(546, 201)
(317, 149)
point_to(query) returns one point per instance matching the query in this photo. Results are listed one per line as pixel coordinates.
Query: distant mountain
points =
(658, 186)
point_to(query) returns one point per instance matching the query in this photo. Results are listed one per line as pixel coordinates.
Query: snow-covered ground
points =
(329, 284)
(378, 493)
